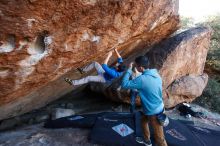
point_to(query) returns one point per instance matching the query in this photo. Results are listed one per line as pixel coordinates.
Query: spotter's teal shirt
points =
(149, 86)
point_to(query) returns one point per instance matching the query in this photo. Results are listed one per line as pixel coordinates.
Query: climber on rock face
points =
(149, 88)
(105, 73)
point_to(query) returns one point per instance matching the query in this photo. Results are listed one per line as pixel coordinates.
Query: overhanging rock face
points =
(43, 40)
(180, 61)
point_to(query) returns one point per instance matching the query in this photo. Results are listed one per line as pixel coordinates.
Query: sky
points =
(198, 9)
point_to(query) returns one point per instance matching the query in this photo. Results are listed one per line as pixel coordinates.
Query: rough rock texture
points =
(38, 136)
(180, 61)
(186, 89)
(42, 40)
(181, 55)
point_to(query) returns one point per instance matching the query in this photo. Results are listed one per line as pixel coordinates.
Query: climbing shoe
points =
(69, 81)
(80, 70)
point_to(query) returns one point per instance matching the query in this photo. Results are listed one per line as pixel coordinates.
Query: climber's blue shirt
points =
(111, 72)
(149, 86)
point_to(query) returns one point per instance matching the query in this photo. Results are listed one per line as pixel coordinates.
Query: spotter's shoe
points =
(143, 141)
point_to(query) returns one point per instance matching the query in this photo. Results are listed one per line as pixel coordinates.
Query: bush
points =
(186, 22)
(211, 96)
(213, 57)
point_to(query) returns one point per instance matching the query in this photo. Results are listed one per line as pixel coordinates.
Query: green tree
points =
(211, 95)
(186, 22)
(213, 58)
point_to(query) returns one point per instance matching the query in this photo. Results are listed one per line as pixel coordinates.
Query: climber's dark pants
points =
(133, 97)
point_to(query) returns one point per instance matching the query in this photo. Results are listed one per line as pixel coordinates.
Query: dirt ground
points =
(36, 135)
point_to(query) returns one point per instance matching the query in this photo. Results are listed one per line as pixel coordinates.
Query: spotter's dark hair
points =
(142, 61)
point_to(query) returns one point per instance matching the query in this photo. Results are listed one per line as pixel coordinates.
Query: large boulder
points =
(182, 55)
(180, 60)
(185, 89)
(42, 41)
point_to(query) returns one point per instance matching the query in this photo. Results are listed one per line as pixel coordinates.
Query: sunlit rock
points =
(52, 38)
